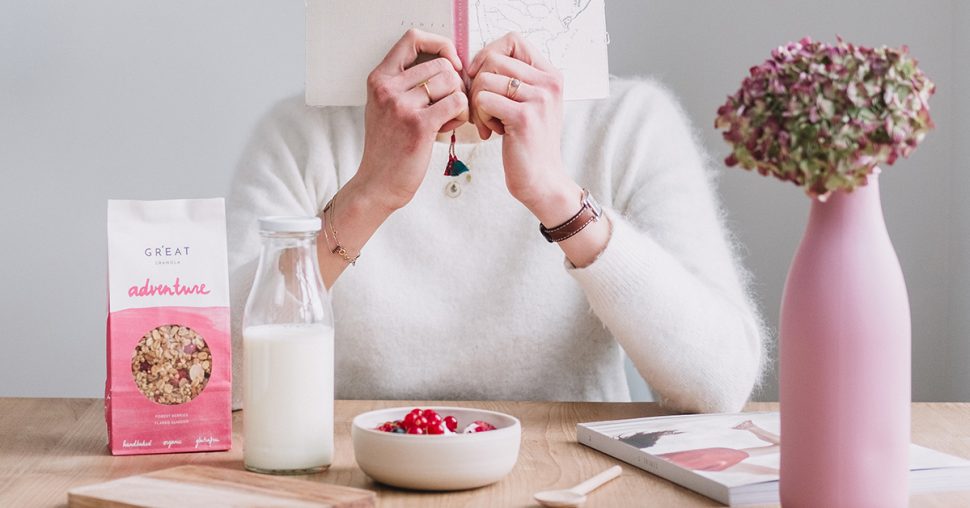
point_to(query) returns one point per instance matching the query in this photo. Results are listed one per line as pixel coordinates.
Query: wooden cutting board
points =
(190, 486)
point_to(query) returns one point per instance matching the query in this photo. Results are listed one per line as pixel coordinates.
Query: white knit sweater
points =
(461, 298)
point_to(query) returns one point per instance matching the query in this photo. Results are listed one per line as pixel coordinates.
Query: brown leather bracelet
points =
(589, 212)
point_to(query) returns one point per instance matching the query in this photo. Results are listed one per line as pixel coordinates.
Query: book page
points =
(736, 449)
(570, 33)
(721, 447)
(347, 39)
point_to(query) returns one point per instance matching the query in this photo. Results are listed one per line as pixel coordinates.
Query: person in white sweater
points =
(456, 294)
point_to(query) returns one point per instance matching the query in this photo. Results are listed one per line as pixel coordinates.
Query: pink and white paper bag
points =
(168, 387)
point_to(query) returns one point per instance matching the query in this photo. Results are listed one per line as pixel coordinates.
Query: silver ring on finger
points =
(513, 87)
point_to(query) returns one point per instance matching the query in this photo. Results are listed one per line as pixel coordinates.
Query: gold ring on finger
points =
(427, 90)
(512, 88)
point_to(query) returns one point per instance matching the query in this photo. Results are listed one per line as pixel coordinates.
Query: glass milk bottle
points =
(288, 354)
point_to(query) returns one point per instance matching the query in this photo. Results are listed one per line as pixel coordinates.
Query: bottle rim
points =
(289, 224)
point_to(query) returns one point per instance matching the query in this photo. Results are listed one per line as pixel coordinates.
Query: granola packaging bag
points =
(169, 368)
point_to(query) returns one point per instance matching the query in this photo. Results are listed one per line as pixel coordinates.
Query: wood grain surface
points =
(48, 446)
(205, 486)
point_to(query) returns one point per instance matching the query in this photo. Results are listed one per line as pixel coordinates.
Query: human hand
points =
(406, 108)
(529, 117)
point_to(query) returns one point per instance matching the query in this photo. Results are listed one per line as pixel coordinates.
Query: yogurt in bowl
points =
(451, 461)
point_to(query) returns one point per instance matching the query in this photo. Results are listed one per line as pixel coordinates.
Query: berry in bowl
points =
(428, 421)
(436, 448)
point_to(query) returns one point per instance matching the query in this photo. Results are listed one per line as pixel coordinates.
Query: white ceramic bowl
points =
(437, 462)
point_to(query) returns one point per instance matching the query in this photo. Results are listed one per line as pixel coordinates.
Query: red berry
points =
(415, 430)
(451, 422)
(478, 426)
(428, 413)
(421, 422)
(386, 427)
(436, 429)
(409, 420)
(484, 425)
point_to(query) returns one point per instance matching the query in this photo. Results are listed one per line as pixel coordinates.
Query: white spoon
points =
(576, 496)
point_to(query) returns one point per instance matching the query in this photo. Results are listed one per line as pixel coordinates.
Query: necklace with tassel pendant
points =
(455, 167)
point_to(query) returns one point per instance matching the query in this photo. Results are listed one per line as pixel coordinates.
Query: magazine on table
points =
(734, 458)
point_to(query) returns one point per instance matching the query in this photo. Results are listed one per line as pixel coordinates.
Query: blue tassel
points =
(458, 167)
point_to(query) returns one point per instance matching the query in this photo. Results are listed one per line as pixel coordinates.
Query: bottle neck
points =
(854, 218)
(288, 287)
(290, 255)
(286, 240)
(861, 204)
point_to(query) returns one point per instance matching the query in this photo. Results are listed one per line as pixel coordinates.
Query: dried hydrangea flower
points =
(825, 116)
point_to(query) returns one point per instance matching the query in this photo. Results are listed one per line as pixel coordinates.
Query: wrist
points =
(557, 203)
(362, 198)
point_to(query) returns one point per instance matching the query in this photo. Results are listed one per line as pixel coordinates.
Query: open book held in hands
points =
(346, 39)
(734, 458)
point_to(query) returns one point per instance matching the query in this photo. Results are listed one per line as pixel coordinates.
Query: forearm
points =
(557, 206)
(355, 215)
(697, 344)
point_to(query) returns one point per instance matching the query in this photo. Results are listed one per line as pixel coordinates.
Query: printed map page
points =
(570, 33)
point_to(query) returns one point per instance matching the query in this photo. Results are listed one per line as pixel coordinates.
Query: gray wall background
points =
(151, 100)
(957, 375)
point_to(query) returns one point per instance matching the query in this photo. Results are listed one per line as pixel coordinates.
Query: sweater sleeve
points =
(668, 285)
(285, 169)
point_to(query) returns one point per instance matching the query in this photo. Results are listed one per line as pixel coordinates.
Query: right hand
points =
(399, 123)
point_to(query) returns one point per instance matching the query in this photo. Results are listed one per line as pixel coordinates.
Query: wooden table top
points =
(48, 446)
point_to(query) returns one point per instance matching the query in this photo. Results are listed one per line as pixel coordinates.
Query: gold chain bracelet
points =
(339, 249)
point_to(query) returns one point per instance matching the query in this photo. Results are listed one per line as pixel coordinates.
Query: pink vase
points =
(845, 361)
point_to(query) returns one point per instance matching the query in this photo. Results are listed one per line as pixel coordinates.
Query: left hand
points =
(530, 121)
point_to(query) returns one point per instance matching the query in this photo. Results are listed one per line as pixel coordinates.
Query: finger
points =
(433, 88)
(498, 63)
(454, 106)
(478, 117)
(415, 41)
(426, 71)
(452, 124)
(498, 84)
(486, 123)
(498, 107)
(514, 45)
(495, 126)
(484, 131)
(503, 85)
